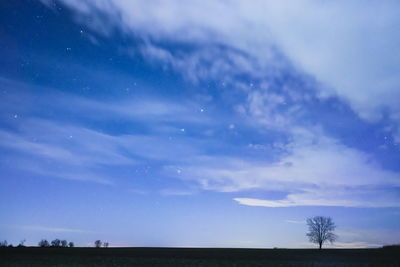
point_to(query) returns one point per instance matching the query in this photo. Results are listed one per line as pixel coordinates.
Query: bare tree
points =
(105, 244)
(97, 243)
(44, 243)
(320, 230)
(3, 243)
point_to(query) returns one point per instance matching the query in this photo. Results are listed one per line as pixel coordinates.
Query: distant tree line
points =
(5, 244)
(56, 243)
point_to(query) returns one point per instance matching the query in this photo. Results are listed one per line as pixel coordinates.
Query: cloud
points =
(175, 192)
(334, 198)
(51, 149)
(314, 170)
(74, 152)
(65, 148)
(355, 57)
(206, 63)
(299, 41)
(144, 108)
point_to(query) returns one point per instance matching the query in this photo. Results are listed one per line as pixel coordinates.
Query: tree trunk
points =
(320, 245)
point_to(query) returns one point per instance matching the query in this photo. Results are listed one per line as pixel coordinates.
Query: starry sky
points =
(199, 123)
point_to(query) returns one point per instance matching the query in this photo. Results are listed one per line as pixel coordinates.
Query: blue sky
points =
(199, 123)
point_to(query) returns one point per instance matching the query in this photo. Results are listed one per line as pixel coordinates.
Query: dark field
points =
(196, 257)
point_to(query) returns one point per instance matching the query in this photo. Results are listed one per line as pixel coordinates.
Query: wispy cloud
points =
(176, 192)
(318, 199)
(313, 169)
(69, 150)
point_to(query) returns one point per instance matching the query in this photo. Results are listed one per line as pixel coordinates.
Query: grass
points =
(60, 257)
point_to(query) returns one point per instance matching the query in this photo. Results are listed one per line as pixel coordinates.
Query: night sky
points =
(199, 123)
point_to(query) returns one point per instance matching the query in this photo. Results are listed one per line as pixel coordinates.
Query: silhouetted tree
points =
(44, 243)
(56, 243)
(320, 229)
(3, 243)
(71, 244)
(105, 244)
(97, 243)
(22, 243)
(64, 243)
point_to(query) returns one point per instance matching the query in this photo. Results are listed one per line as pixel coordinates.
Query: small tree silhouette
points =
(56, 243)
(105, 244)
(97, 243)
(22, 243)
(320, 229)
(44, 243)
(3, 243)
(71, 244)
(64, 243)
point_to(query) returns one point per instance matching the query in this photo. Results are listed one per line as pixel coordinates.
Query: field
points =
(32, 256)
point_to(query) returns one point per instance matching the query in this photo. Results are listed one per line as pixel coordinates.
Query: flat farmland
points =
(33, 256)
